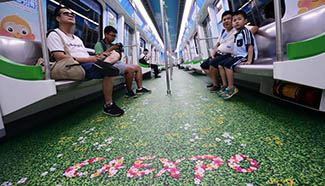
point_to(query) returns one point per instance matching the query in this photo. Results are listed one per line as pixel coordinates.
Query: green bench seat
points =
(306, 48)
(20, 71)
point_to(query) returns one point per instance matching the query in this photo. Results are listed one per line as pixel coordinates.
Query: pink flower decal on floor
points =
(170, 167)
(234, 162)
(134, 170)
(201, 167)
(72, 171)
(112, 167)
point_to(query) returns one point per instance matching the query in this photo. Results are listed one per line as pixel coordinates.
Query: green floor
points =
(284, 143)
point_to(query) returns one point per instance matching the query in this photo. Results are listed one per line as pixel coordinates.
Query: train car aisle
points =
(190, 138)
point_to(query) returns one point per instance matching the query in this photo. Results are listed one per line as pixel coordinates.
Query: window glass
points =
(113, 20)
(208, 32)
(88, 19)
(142, 45)
(196, 43)
(128, 31)
(259, 12)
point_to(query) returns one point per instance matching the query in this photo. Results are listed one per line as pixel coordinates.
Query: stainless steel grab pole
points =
(43, 39)
(278, 27)
(170, 63)
(165, 43)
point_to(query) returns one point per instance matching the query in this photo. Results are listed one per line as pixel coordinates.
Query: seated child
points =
(245, 52)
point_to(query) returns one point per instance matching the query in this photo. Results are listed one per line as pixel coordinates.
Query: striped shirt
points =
(243, 38)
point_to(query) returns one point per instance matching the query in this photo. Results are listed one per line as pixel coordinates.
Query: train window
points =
(112, 18)
(142, 45)
(196, 36)
(207, 32)
(259, 13)
(88, 18)
(128, 31)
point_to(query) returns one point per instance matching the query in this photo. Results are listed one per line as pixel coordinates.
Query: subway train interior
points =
(175, 92)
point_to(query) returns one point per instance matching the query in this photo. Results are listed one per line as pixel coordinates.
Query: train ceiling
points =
(174, 14)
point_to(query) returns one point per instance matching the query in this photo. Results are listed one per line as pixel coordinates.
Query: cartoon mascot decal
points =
(14, 26)
(306, 5)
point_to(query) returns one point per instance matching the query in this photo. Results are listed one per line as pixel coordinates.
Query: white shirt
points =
(226, 41)
(74, 44)
(142, 56)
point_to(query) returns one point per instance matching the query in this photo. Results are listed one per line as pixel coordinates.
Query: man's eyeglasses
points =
(112, 35)
(68, 14)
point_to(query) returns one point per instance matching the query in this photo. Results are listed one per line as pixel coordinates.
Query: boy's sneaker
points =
(130, 94)
(222, 90)
(113, 110)
(230, 92)
(143, 90)
(210, 85)
(214, 89)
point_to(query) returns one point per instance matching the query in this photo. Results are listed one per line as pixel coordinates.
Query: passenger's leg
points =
(205, 67)
(129, 75)
(155, 69)
(138, 75)
(108, 83)
(223, 75)
(138, 79)
(110, 108)
(207, 72)
(230, 77)
(214, 75)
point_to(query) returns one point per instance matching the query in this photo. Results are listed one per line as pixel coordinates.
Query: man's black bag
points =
(106, 69)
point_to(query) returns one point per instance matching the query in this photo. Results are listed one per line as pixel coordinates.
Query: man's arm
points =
(56, 48)
(249, 55)
(100, 51)
(61, 55)
(147, 58)
(254, 29)
(215, 49)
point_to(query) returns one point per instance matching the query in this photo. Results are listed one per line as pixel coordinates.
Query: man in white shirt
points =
(66, 19)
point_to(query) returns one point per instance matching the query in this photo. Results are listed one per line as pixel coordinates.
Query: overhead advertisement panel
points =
(138, 18)
(127, 6)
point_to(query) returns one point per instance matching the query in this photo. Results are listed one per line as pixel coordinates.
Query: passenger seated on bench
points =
(223, 49)
(66, 20)
(127, 70)
(143, 60)
(245, 52)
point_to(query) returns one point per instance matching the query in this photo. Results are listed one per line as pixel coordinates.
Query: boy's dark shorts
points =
(206, 64)
(219, 57)
(232, 62)
(91, 73)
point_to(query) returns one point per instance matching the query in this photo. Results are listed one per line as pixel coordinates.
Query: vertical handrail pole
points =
(233, 5)
(170, 52)
(137, 46)
(2, 126)
(165, 43)
(278, 26)
(43, 39)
